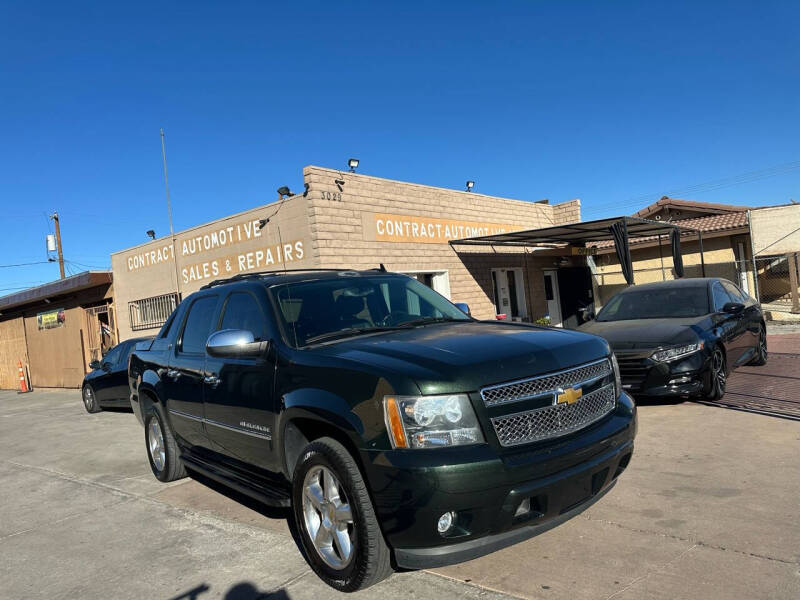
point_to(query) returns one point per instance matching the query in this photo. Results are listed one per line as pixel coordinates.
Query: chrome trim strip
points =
(185, 415)
(545, 376)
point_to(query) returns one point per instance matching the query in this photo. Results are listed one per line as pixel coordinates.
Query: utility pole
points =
(54, 216)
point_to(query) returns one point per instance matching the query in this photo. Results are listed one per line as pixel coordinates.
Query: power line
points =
(85, 266)
(41, 262)
(707, 186)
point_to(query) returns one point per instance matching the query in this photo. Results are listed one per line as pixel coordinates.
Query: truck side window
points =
(243, 312)
(198, 325)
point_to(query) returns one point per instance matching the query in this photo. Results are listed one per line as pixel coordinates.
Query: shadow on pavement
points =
(241, 591)
(270, 512)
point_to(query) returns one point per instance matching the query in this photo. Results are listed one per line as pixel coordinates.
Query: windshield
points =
(656, 304)
(328, 309)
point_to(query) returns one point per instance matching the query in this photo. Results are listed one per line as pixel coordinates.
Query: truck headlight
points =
(677, 352)
(617, 376)
(431, 421)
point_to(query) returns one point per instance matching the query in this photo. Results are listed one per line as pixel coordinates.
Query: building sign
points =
(51, 319)
(189, 245)
(425, 230)
(259, 259)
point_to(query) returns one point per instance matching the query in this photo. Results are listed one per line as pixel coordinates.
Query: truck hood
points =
(646, 333)
(463, 357)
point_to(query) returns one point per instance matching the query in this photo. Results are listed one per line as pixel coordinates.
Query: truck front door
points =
(238, 392)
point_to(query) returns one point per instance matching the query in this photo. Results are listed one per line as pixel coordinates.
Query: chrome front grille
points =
(556, 420)
(525, 389)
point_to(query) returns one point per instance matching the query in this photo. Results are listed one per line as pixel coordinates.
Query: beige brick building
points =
(350, 221)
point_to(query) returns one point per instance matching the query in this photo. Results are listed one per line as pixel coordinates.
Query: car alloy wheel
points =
(328, 518)
(88, 397)
(155, 444)
(718, 374)
(762, 346)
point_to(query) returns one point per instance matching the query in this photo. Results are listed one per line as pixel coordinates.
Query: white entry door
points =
(553, 298)
(509, 294)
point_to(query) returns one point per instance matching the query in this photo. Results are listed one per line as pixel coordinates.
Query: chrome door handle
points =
(211, 380)
(173, 374)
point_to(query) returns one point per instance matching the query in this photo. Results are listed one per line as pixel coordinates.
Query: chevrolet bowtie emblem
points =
(568, 396)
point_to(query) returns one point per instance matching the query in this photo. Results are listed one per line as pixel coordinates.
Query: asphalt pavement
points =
(707, 509)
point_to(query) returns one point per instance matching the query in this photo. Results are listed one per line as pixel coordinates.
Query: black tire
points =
(171, 467)
(90, 399)
(760, 359)
(370, 560)
(717, 375)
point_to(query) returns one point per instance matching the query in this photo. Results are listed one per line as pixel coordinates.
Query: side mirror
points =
(234, 343)
(587, 314)
(733, 308)
(463, 307)
(94, 365)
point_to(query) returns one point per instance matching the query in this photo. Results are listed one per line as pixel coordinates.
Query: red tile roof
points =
(710, 224)
(689, 204)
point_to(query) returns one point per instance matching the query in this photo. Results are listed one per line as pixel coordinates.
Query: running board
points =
(266, 494)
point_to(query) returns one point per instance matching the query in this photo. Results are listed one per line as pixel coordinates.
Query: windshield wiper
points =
(343, 333)
(427, 320)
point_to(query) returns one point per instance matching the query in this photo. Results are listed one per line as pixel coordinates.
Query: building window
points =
(149, 313)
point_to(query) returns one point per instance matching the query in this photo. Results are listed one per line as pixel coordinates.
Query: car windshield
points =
(328, 309)
(656, 304)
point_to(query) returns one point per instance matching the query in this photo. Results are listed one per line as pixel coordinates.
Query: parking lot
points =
(708, 509)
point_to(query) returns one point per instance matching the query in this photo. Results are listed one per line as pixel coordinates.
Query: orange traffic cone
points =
(23, 381)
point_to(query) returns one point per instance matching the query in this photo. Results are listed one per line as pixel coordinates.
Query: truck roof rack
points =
(259, 274)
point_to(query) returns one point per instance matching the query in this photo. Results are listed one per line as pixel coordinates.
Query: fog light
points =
(524, 508)
(446, 522)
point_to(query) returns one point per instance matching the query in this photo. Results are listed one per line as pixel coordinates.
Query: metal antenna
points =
(166, 181)
(169, 211)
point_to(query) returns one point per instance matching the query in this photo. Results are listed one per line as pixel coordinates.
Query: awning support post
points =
(702, 256)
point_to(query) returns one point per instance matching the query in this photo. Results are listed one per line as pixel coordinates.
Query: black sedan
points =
(106, 385)
(682, 338)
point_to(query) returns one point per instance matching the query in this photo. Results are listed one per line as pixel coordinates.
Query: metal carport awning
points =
(616, 229)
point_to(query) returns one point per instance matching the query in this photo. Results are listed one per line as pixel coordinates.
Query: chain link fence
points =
(775, 278)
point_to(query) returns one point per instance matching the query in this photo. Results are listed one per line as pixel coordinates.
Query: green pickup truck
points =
(401, 432)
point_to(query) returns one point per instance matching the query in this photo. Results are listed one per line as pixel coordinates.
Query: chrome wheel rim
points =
(719, 372)
(88, 398)
(328, 518)
(155, 443)
(762, 344)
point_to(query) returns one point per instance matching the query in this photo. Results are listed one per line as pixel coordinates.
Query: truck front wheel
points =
(341, 538)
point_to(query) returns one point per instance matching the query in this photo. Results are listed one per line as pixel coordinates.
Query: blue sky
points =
(615, 103)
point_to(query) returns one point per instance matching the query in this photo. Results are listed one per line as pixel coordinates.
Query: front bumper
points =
(642, 376)
(484, 487)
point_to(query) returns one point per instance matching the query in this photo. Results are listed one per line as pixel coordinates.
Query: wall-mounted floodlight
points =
(353, 164)
(151, 234)
(470, 185)
(283, 191)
